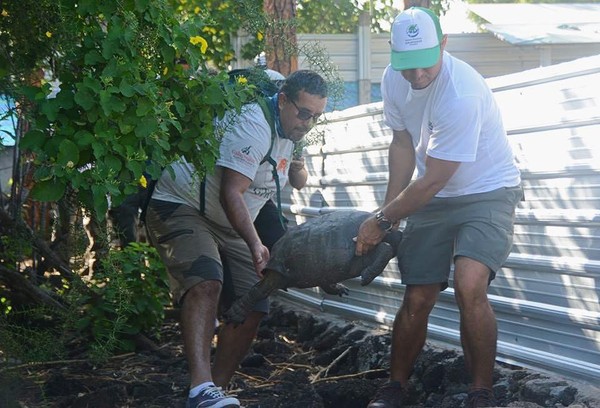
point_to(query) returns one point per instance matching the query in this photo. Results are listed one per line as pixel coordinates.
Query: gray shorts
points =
(476, 226)
(193, 250)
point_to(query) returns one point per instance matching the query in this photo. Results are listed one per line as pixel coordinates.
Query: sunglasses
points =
(305, 114)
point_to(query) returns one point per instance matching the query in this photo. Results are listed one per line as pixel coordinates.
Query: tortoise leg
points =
(335, 289)
(380, 257)
(262, 289)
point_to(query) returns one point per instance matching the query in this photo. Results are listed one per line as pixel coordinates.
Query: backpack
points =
(265, 88)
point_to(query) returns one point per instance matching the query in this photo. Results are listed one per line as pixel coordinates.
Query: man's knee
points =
(208, 290)
(421, 298)
(471, 280)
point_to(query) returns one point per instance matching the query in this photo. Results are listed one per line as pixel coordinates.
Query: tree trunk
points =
(281, 40)
(417, 3)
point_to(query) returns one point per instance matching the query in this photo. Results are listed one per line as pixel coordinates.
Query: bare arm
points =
(297, 173)
(410, 199)
(419, 192)
(401, 164)
(233, 186)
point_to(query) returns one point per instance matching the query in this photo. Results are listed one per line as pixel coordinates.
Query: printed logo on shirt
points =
(430, 126)
(262, 192)
(244, 155)
(282, 166)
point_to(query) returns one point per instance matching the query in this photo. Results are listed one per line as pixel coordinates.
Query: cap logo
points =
(415, 39)
(412, 30)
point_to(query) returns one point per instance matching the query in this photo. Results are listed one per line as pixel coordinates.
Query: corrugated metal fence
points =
(546, 296)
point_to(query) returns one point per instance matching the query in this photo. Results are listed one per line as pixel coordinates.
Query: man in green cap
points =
(459, 209)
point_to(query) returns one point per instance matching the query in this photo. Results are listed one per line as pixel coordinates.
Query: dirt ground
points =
(297, 361)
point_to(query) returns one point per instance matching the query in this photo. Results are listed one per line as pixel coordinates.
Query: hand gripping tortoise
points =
(319, 252)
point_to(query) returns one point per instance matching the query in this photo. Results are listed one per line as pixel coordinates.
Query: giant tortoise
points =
(319, 252)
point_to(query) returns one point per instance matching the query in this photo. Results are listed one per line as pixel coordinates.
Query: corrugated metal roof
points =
(524, 24)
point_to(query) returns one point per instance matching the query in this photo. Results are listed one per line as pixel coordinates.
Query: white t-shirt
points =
(245, 143)
(455, 118)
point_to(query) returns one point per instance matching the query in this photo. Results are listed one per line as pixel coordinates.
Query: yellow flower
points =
(70, 164)
(209, 30)
(197, 10)
(242, 80)
(199, 40)
(260, 36)
(4, 13)
(48, 34)
(165, 71)
(143, 181)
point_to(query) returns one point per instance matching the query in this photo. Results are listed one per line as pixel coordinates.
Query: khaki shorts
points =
(476, 226)
(193, 250)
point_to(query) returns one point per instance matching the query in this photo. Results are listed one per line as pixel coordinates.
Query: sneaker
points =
(212, 397)
(390, 395)
(481, 397)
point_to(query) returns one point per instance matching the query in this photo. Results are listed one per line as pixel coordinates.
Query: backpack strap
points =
(147, 198)
(269, 113)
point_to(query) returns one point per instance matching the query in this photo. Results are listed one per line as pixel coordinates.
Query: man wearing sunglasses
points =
(191, 233)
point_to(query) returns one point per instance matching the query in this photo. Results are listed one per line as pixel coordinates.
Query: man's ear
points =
(281, 99)
(443, 42)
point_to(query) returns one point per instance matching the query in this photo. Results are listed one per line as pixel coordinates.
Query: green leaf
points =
(129, 141)
(135, 167)
(33, 140)
(83, 138)
(126, 89)
(110, 70)
(141, 5)
(125, 128)
(214, 95)
(168, 53)
(30, 92)
(186, 145)
(84, 99)
(42, 173)
(129, 34)
(86, 7)
(105, 102)
(117, 105)
(146, 127)
(68, 153)
(99, 149)
(93, 57)
(113, 190)
(115, 29)
(65, 99)
(110, 47)
(48, 190)
(93, 84)
(113, 163)
(180, 108)
(163, 143)
(100, 201)
(144, 106)
(50, 108)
